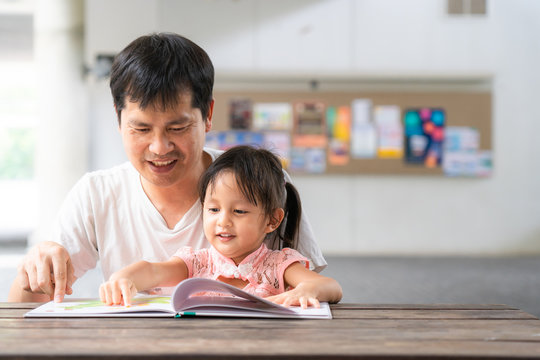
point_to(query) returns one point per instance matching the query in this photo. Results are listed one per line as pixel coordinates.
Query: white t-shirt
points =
(107, 216)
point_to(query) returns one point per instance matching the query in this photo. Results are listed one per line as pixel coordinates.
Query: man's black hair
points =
(155, 69)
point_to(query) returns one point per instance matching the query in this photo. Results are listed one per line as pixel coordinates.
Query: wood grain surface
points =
(364, 331)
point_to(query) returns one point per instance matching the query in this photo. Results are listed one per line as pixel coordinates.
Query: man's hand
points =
(47, 269)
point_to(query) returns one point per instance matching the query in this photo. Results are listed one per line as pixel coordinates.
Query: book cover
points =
(184, 301)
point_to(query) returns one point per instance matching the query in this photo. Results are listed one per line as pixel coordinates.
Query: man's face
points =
(164, 146)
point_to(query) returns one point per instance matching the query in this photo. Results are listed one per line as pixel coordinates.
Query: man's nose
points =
(160, 144)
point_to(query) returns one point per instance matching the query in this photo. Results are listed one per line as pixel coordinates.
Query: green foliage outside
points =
(17, 146)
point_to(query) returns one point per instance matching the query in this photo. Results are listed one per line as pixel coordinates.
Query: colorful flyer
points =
(308, 160)
(389, 131)
(279, 142)
(240, 114)
(340, 135)
(309, 125)
(363, 132)
(424, 136)
(272, 116)
(224, 140)
(462, 156)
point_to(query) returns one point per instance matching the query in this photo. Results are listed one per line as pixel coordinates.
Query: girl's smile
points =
(225, 237)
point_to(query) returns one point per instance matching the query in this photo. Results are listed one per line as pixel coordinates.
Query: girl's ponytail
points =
(293, 213)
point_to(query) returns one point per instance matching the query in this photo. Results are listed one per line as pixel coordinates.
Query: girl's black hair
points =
(155, 69)
(260, 178)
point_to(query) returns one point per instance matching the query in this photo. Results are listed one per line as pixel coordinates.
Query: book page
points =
(182, 299)
(239, 303)
(141, 306)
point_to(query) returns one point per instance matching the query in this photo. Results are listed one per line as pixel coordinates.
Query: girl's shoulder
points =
(285, 256)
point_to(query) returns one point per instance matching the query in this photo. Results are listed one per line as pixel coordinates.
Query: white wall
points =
(369, 214)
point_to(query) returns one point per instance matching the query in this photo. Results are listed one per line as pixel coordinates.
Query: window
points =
(18, 207)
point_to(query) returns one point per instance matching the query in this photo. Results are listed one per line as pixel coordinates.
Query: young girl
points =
(244, 198)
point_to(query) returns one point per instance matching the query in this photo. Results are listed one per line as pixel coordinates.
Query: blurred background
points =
(390, 235)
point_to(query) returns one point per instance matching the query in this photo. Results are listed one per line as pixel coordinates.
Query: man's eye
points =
(178, 129)
(142, 130)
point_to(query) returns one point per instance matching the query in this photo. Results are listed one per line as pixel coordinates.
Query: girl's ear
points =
(274, 220)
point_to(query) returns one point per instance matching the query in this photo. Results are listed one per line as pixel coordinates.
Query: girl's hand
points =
(309, 288)
(304, 295)
(117, 292)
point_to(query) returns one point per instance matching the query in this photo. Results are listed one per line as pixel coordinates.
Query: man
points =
(147, 208)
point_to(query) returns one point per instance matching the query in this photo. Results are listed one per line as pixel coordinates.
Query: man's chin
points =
(161, 180)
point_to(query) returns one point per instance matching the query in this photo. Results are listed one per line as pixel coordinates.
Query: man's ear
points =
(274, 220)
(208, 122)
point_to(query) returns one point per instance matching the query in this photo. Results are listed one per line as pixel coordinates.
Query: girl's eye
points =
(238, 211)
(213, 210)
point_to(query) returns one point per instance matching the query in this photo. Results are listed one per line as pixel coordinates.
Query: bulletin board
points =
(462, 108)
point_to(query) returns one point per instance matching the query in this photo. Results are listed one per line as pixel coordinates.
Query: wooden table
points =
(357, 331)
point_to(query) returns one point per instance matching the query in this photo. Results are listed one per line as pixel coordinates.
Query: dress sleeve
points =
(286, 258)
(187, 254)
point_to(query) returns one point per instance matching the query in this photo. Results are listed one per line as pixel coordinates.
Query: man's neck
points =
(174, 201)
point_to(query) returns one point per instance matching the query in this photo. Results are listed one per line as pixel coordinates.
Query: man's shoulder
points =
(214, 153)
(120, 175)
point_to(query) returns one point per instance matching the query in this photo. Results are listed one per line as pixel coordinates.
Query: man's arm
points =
(45, 273)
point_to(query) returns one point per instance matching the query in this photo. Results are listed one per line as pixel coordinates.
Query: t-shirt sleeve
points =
(74, 228)
(307, 245)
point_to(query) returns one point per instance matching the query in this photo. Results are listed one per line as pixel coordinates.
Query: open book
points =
(235, 303)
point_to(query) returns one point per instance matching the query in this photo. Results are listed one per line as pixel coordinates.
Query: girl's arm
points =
(139, 276)
(309, 288)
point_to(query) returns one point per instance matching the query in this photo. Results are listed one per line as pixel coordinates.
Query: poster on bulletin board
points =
(309, 124)
(424, 135)
(375, 145)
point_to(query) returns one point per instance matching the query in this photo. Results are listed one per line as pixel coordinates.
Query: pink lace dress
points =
(263, 269)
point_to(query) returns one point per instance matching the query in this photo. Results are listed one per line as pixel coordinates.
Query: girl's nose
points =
(224, 219)
(160, 144)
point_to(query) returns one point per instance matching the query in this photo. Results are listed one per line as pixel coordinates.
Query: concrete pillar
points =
(62, 138)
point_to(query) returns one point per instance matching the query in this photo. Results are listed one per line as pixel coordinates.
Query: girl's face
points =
(234, 226)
